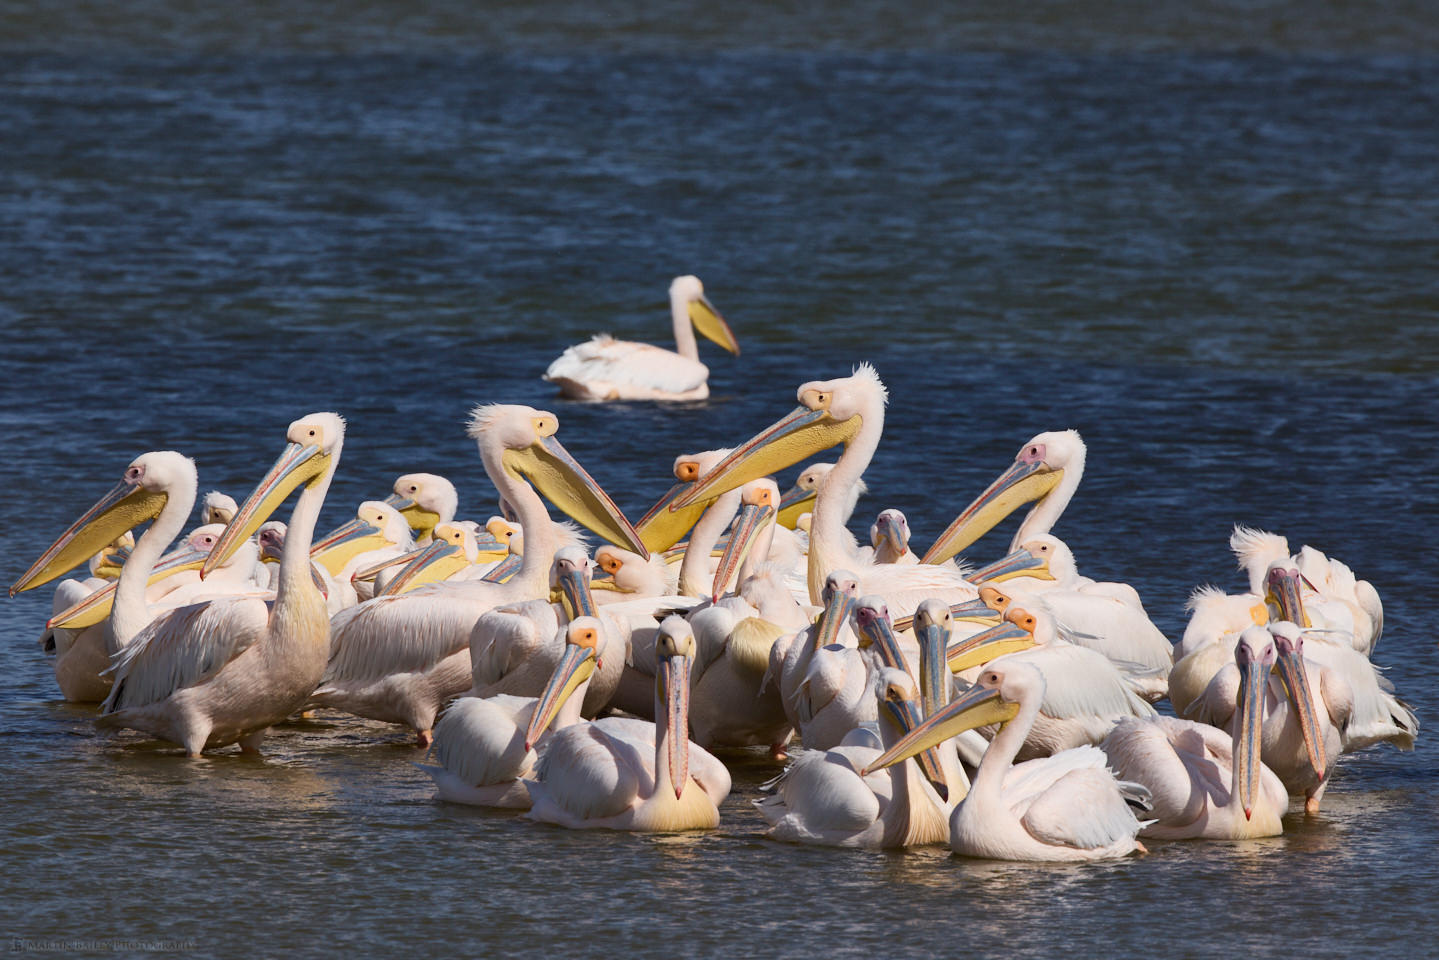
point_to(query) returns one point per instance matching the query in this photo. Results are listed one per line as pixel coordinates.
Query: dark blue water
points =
(1202, 234)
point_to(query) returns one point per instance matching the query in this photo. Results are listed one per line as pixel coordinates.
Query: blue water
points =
(1202, 234)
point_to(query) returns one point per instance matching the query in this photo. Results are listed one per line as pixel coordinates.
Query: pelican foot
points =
(1311, 806)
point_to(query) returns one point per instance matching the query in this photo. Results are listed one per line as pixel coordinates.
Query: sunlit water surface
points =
(1203, 236)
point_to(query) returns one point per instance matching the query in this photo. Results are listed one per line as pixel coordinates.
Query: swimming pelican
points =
(1303, 720)
(821, 798)
(604, 368)
(1204, 784)
(1064, 807)
(486, 746)
(1047, 469)
(399, 658)
(159, 485)
(216, 673)
(850, 411)
(622, 774)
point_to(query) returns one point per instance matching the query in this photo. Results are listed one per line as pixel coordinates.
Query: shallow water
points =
(1202, 235)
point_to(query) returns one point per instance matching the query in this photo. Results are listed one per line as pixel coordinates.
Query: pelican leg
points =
(424, 738)
(250, 744)
(197, 731)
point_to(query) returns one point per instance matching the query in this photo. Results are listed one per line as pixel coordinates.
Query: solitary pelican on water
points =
(604, 368)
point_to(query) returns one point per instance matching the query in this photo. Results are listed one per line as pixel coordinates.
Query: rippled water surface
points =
(1202, 234)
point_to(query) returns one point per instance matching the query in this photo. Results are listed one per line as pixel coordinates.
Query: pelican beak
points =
(368, 573)
(434, 563)
(837, 609)
(575, 593)
(557, 475)
(972, 611)
(662, 526)
(986, 645)
(113, 559)
(346, 542)
(672, 684)
(1284, 594)
(96, 607)
(1296, 684)
(421, 521)
(934, 674)
(506, 568)
(802, 434)
(875, 630)
(906, 715)
(752, 519)
(979, 707)
(125, 507)
(576, 666)
(1020, 484)
(299, 463)
(711, 325)
(794, 504)
(1253, 682)
(1020, 563)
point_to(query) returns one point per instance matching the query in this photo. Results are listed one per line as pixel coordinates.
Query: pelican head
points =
(577, 663)
(662, 526)
(271, 537)
(376, 524)
(148, 483)
(424, 499)
(933, 624)
(1037, 469)
(1282, 591)
(1289, 644)
(571, 576)
(1017, 631)
(830, 412)
(520, 441)
(1039, 558)
(798, 498)
(688, 293)
(217, 507)
(1254, 654)
(312, 444)
(889, 535)
(994, 699)
(758, 499)
(674, 655)
(839, 596)
(900, 703)
(871, 616)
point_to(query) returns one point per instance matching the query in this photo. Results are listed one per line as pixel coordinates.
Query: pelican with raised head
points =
(399, 658)
(604, 368)
(222, 672)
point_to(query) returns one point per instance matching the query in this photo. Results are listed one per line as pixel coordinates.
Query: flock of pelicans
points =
(1005, 710)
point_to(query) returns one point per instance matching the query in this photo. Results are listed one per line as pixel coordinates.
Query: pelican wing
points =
(1183, 764)
(605, 367)
(508, 638)
(405, 634)
(483, 741)
(820, 798)
(587, 774)
(1082, 685)
(1083, 806)
(182, 648)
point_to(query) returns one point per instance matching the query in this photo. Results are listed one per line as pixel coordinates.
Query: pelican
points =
(454, 554)
(1083, 696)
(1302, 735)
(624, 774)
(1107, 617)
(1205, 784)
(514, 648)
(399, 658)
(486, 746)
(821, 798)
(1064, 807)
(159, 485)
(216, 507)
(608, 369)
(379, 532)
(849, 410)
(216, 673)
(791, 655)
(1047, 469)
